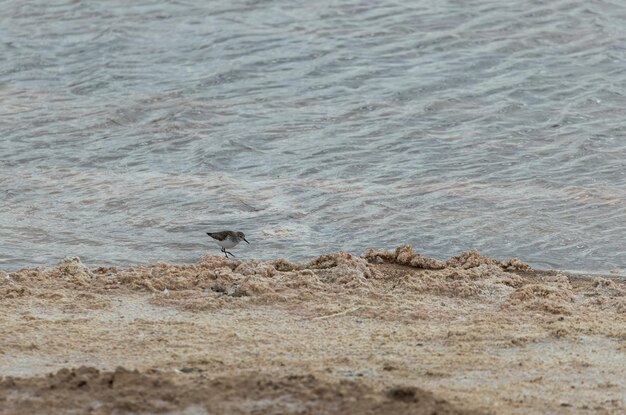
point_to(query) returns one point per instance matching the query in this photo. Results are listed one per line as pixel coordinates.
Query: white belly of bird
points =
(227, 243)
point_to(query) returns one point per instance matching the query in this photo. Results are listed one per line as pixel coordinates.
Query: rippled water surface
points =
(129, 129)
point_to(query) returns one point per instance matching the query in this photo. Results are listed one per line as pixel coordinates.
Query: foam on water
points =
(129, 130)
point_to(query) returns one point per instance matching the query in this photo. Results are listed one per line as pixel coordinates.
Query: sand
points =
(386, 332)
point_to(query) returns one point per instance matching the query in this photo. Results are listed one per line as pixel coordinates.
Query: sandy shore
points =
(387, 332)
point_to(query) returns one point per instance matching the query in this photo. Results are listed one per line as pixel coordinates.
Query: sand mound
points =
(124, 391)
(216, 282)
(341, 279)
(554, 295)
(462, 283)
(404, 255)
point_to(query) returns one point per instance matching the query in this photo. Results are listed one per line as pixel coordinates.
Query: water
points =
(129, 129)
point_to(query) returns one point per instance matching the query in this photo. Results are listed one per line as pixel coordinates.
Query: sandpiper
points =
(228, 239)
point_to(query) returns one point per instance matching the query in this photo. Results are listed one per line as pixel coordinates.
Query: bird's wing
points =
(220, 236)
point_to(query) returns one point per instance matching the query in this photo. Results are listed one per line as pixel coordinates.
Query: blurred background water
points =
(129, 129)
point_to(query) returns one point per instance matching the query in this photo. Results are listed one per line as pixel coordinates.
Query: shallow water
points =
(129, 130)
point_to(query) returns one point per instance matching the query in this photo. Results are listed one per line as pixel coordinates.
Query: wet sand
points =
(387, 332)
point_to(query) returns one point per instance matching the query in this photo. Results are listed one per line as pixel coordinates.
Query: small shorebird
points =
(228, 239)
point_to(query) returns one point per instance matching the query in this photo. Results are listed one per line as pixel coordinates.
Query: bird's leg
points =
(228, 253)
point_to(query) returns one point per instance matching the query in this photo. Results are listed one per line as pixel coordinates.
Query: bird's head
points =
(240, 235)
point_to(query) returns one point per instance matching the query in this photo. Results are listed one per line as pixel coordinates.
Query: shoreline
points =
(468, 332)
(573, 273)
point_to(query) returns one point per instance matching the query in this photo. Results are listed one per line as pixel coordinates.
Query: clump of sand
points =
(130, 391)
(554, 294)
(608, 287)
(11, 290)
(215, 281)
(452, 282)
(404, 255)
(338, 278)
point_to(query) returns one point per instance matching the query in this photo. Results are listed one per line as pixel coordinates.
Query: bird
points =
(228, 239)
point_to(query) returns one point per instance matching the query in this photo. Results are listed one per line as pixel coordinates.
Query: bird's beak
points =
(246, 241)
